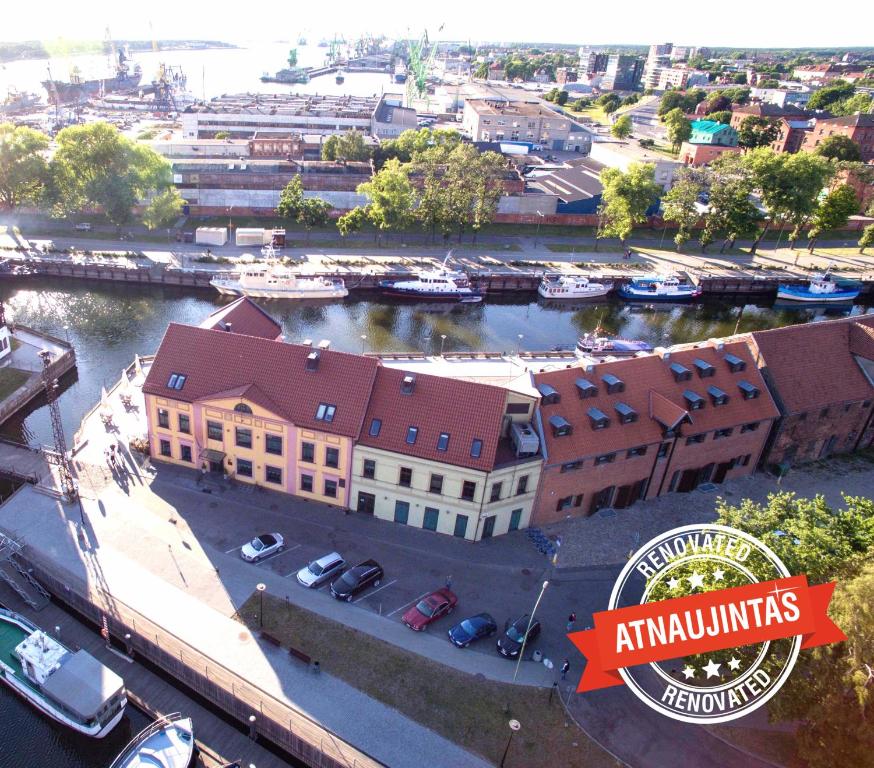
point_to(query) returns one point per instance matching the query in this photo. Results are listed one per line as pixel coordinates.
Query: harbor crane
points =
(421, 58)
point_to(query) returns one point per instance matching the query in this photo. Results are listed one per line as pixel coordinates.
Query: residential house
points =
(266, 413)
(438, 453)
(822, 378)
(792, 134)
(618, 431)
(497, 120)
(740, 113)
(713, 133)
(703, 154)
(858, 127)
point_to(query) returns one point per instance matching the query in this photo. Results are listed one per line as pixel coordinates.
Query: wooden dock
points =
(220, 742)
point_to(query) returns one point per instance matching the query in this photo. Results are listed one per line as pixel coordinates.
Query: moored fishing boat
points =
(592, 345)
(441, 284)
(571, 287)
(168, 743)
(659, 288)
(273, 281)
(821, 288)
(71, 687)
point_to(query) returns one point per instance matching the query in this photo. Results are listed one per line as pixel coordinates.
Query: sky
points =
(741, 23)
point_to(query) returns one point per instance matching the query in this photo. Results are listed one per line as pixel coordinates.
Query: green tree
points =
(163, 209)
(562, 98)
(314, 212)
(731, 212)
(757, 132)
(482, 71)
(839, 147)
(352, 221)
(722, 116)
(390, 197)
(679, 128)
(867, 238)
(768, 83)
(95, 166)
(825, 97)
(622, 128)
(291, 200)
(833, 212)
(222, 135)
(345, 147)
(308, 211)
(412, 143)
(23, 167)
(626, 198)
(681, 203)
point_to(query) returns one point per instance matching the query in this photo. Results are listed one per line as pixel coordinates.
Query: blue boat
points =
(659, 288)
(821, 288)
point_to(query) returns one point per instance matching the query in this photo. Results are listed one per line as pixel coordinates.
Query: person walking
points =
(571, 620)
(564, 669)
(449, 582)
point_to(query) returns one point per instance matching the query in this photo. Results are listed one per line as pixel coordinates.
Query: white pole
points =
(530, 619)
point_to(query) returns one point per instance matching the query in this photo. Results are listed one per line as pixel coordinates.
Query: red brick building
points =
(619, 431)
(859, 128)
(772, 111)
(822, 377)
(792, 134)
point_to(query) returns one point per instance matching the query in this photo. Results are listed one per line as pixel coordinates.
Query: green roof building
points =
(711, 132)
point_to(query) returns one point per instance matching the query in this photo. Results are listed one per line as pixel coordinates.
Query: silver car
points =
(319, 571)
(262, 546)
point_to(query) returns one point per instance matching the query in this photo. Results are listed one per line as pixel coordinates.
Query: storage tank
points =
(211, 236)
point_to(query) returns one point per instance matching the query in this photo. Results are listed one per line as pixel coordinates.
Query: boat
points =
(287, 75)
(571, 287)
(340, 78)
(441, 283)
(71, 687)
(77, 90)
(17, 102)
(273, 281)
(659, 288)
(166, 743)
(822, 287)
(400, 73)
(592, 345)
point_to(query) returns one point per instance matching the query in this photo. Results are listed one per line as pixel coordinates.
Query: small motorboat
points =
(821, 288)
(340, 78)
(592, 345)
(168, 742)
(571, 287)
(659, 288)
(441, 284)
(274, 281)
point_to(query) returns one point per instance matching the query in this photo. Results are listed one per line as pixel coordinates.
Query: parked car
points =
(471, 629)
(357, 578)
(319, 571)
(430, 608)
(510, 643)
(82, 226)
(262, 546)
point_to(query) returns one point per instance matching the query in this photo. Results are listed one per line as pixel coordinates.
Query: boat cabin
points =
(40, 655)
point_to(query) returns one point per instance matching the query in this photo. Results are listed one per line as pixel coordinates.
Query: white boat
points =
(822, 287)
(166, 743)
(441, 284)
(71, 687)
(571, 287)
(273, 281)
(659, 288)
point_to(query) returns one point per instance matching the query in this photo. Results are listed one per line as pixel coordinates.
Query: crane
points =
(421, 58)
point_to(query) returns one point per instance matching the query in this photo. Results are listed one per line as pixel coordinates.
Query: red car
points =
(430, 608)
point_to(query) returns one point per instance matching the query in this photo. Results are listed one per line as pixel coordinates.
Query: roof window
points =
(560, 426)
(734, 363)
(598, 418)
(412, 434)
(375, 427)
(326, 412)
(681, 372)
(627, 414)
(717, 396)
(443, 441)
(408, 385)
(693, 400)
(476, 448)
(748, 391)
(586, 388)
(614, 383)
(704, 368)
(176, 381)
(548, 394)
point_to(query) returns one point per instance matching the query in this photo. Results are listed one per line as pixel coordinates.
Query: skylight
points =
(176, 381)
(412, 434)
(476, 448)
(443, 441)
(375, 426)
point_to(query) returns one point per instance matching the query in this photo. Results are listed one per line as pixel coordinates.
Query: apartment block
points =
(495, 120)
(858, 127)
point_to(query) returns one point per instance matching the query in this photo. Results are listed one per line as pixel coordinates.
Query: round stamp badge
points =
(704, 625)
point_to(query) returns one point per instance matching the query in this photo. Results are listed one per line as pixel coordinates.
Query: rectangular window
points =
(244, 468)
(244, 438)
(306, 483)
(165, 449)
(638, 451)
(176, 381)
(402, 512)
(273, 475)
(273, 444)
(607, 458)
(308, 453)
(476, 448)
(375, 426)
(331, 488)
(751, 427)
(369, 470)
(185, 453)
(570, 466)
(436, 484)
(443, 441)
(184, 423)
(496, 492)
(214, 430)
(468, 490)
(823, 414)
(664, 448)
(564, 503)
(325, 412)
(163, 418)
(693, 439)
(720, 433)
(405, 478)
(522, 485)
(332, 457)
(412, 434)
(517, 408)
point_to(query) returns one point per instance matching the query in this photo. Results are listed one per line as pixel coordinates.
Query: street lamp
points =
(530, 619)
(537, 233)
(261, 588)
(519, 348)
(442, 342)
(515, 725)
(363, 342)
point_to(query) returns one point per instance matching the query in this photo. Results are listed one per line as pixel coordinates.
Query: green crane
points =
(421, 57)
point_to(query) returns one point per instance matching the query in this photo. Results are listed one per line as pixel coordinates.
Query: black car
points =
(355, 579)
(473, 628)
(510, 643)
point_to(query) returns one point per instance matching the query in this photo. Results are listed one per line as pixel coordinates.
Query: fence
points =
(289, 729)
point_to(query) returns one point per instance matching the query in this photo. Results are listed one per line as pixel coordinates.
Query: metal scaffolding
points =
(57, 455)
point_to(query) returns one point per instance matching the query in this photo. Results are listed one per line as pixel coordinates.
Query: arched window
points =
(242, 408)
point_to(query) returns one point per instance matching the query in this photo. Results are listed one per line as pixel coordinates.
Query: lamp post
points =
(363, 342)
(261, 588)
(528, 629)
(519, 347)
(515, 725)
(442, 342)
(537, 233)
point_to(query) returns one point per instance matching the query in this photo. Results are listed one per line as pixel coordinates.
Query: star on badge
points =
(712, 669)
(718, 574)
(688, 672)
(673, 582)
(696, 580)
(734, 664)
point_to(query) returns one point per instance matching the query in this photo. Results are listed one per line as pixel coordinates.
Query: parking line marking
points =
(410, 603)
(277, 554)
(369, 594)
(227, 552)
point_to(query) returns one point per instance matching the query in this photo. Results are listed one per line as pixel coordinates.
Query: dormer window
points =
(748, 391)
(313, 360)
(598, 419)
(681, 372)
(476, 448)
(548, 394)
(443, 441)
(735, 364)
(704, 368)
(560, 426)
(176, 381)
(586, 388)
(717, 396)
(408, 385)
(412, 434)
(693, 400)
(613, 383)
(626, 413)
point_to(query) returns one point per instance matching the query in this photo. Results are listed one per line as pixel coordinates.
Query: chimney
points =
(307, 342)
(324, 344)
(228, 327)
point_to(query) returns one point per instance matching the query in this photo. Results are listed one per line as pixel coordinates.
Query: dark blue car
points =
(473, 628)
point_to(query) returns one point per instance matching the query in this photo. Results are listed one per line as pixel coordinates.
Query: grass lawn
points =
(468, 711)
(10, 380)
(776, 746)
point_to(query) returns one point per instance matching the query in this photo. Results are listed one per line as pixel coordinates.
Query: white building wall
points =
(5, 342)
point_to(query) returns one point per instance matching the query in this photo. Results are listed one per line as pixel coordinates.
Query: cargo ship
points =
(17, 102)
(125, 80)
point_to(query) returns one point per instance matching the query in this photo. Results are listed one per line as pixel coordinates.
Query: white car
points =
(262, 546)
(319, 571)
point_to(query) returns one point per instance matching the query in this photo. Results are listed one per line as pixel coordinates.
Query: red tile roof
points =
(245, 317)
(650, 389)
(270, 373)
(465, 410)
(812, 365)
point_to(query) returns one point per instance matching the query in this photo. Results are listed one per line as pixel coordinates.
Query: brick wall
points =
(837, 428)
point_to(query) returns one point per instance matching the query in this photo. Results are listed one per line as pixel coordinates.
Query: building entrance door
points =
(432, 516)
(366, 502)
(460, 526)
(489, 527)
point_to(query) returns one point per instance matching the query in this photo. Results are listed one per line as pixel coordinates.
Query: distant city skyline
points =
(745, 24)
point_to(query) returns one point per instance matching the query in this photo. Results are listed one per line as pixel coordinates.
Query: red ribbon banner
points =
(709, 621)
